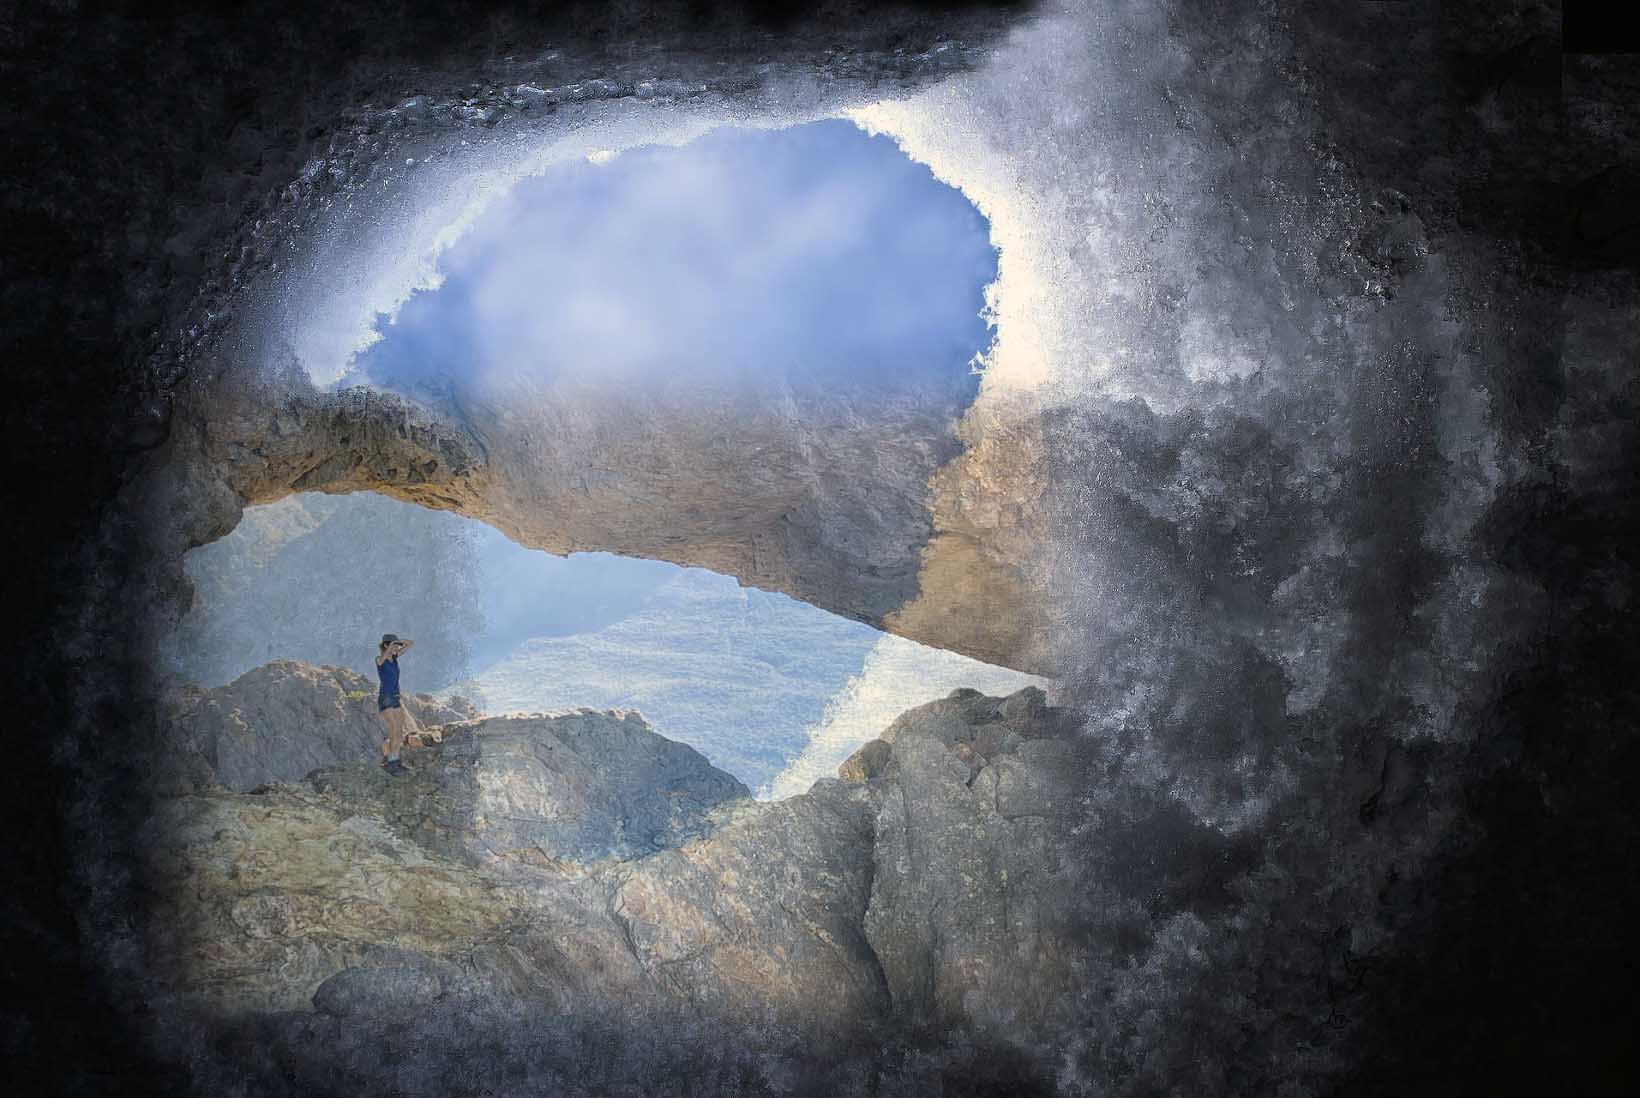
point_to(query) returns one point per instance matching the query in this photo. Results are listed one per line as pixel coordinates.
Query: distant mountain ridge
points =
(766, 687)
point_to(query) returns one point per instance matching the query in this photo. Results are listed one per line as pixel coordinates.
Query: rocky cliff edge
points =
(579, 863)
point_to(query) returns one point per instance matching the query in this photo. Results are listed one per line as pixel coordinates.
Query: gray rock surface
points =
(1363, 565)
(572, 786)
(861, 501)
(867, 762)
(286, 718)
(761, 921)
(977, 813)
(580, 863)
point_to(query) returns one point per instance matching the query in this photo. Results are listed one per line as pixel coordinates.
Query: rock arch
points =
(890, 503)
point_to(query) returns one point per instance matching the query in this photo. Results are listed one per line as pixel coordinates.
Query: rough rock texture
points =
(1328, 309)
(844, 506)
(866, 763)
(968, 913)
(393, 988)
(266, 896)
(583, 864)
(761, 921)
(282, 720)
(573, 786)
(364, 885)
(836, 510)
(168, 158)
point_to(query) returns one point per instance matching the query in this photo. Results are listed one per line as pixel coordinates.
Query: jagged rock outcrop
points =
(761, 921)
(1368, 265)
(267, 896)
(565, 787)
(582, 863)
(978, 807)
(837, 511)
(281, 721)
(362, 891)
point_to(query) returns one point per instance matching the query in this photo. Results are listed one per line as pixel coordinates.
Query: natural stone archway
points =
(859, 500)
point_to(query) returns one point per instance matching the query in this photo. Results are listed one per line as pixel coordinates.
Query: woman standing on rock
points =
(388, 703)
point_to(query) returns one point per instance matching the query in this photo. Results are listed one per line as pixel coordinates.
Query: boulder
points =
(285, 719)
(866, 763)
(760, 920)
(259, 898)
(970, 911)
(545, 789)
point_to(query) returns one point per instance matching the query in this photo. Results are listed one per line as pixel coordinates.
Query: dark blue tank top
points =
(388, 670)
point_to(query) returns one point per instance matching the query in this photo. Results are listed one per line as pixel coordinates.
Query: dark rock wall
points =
(1370, 613)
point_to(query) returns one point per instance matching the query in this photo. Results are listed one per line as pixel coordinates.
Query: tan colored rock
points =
(969, 911)
(761, 919)
(866, 503)
(262, 897)
(507, 867)
(286, 718)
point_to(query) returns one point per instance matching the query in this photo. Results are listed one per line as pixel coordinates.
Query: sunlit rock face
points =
(568, 787)
(970, 909)
(579, 857)
(838, 507)
(774, 691)
(582, 785)
(539, 873)
(572, 864)
(835, 494)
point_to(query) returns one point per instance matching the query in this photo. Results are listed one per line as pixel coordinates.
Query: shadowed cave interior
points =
(1296, 462)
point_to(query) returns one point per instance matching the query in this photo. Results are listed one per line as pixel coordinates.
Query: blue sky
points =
(817, 246)
(816, 250)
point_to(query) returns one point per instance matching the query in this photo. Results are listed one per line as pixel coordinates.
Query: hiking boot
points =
(395, 767)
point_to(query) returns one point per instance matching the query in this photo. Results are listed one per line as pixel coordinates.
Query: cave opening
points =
(804, 271)
(1297, 458)
(770, 689)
